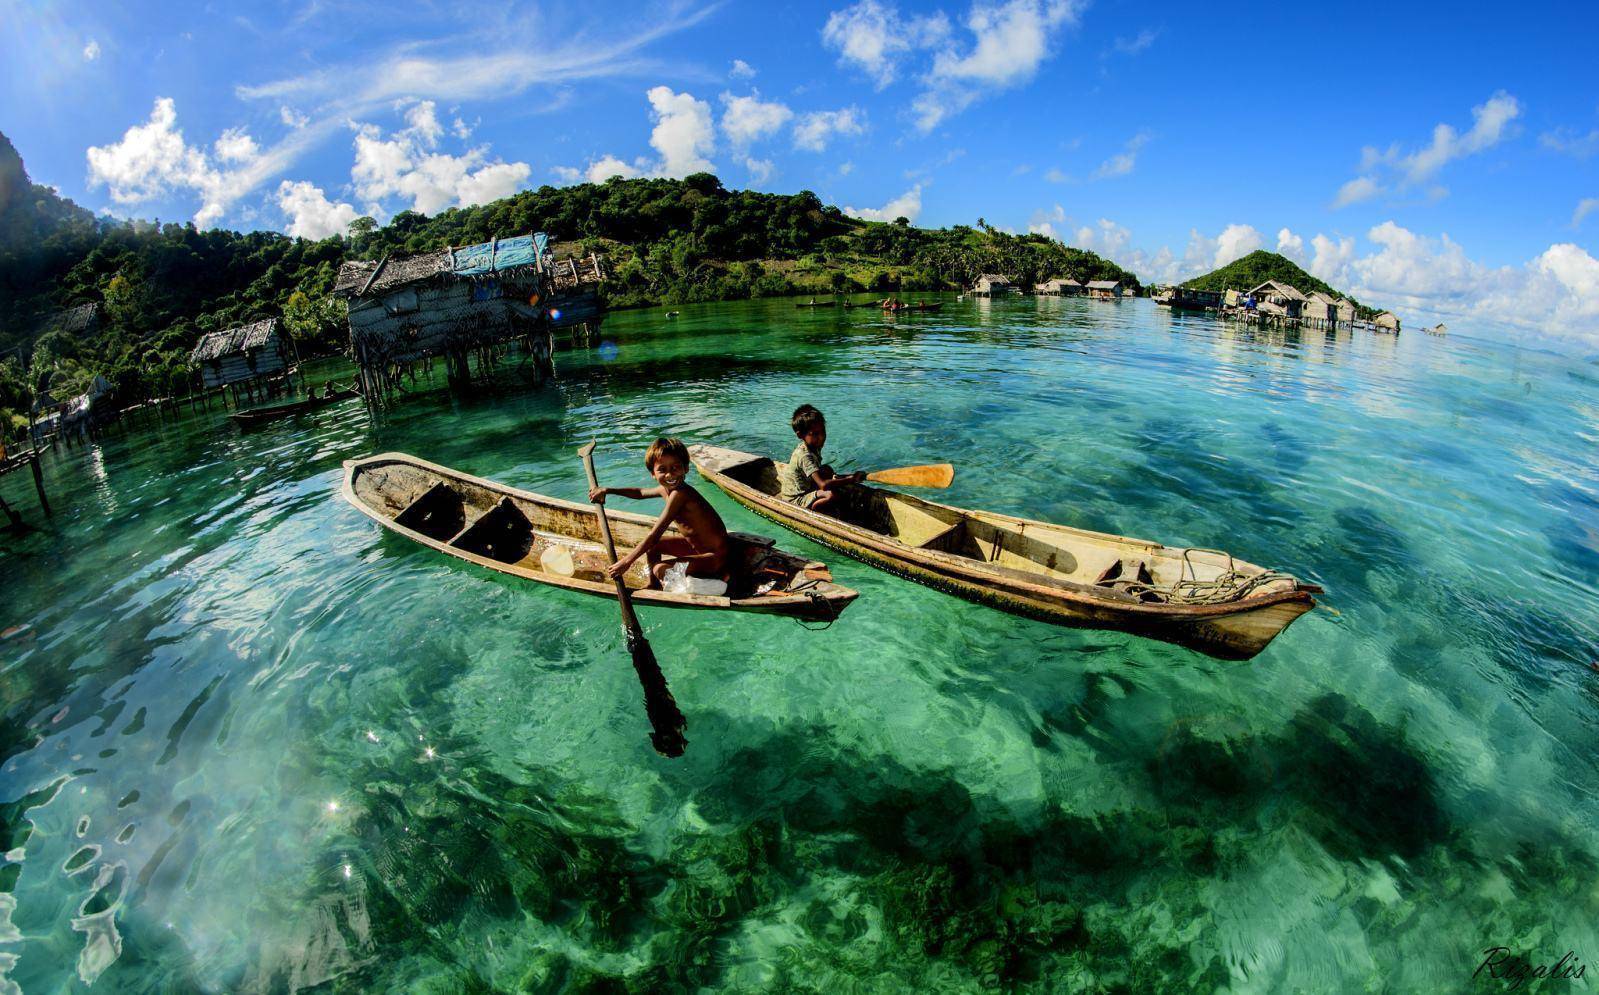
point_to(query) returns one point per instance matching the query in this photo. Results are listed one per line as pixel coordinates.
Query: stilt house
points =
(257, 351)
(1059, 287)
(459, 301)
(1104, 290)
(1387, 322)
(1272, 297)
(990, 285)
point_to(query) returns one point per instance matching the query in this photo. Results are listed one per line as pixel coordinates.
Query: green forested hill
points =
(1260, 266)
(161, 286)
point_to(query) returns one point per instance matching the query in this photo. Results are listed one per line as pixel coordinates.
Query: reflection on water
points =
(250, 741)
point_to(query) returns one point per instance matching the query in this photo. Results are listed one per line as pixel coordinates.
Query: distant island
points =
(128, 300)
(1260, 266)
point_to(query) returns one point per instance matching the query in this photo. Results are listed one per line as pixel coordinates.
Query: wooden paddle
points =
(931, 475)
(666, 720)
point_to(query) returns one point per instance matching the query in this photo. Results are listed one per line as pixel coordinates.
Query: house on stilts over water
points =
(459, 302)
(248, 359)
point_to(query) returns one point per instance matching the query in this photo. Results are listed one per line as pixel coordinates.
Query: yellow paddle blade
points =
(932, 475)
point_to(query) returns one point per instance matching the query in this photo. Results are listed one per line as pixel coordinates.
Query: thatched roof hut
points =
(453, 301)
(992, 285)
(1061, 286)
(248, 352)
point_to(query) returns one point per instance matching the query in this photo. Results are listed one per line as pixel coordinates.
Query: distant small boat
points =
(673, 314)
(816, 303)
(251, 417)
(557, 542)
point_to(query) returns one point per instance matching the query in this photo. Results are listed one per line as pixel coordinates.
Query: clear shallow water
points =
(251, 742)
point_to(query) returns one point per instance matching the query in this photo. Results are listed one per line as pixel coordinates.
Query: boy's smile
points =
(669, 472)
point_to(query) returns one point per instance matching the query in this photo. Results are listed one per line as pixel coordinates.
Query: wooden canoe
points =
(817, 304)
(250, 417)
(1202, 599)
(515, 532)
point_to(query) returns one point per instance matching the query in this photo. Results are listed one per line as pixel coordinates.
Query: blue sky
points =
(1438, 159)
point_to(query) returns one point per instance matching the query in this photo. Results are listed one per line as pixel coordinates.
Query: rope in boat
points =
(1188, 589)
(827, 608)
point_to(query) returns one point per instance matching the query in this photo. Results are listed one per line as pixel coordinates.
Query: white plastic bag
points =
(677, 581)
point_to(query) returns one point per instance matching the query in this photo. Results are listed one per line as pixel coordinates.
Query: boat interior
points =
(552, 538)
(1126, 567)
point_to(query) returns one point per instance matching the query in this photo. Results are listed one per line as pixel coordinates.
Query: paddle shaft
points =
(629, 619)
(666, 719)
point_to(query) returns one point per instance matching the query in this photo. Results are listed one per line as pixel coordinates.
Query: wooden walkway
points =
(17, 461)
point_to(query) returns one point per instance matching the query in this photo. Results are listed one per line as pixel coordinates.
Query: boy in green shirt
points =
(805, 480)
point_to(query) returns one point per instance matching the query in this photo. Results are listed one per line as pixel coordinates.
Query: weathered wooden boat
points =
(1202, 599)
(250, 417)
(558, 542)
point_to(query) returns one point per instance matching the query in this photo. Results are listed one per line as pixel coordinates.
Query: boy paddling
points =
(806, 480)
(702, 546)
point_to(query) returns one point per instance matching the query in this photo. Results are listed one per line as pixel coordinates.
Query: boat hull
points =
(1233, 631)
(390, 488)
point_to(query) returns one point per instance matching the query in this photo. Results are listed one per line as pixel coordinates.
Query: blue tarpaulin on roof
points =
(494, 257)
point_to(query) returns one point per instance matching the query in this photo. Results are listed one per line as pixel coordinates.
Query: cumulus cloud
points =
(236, 145)
(153, 160)
(1491, 122)
(1009, 42)
(745, 120)
(291, 117)
(91, 51)
(408, 164)
(683, 134)
(760, 169)
(741, 70)
(874, 38)
(813, 131)
(311, 214)
(1123, 162)
(907, 205)
(1290, 245)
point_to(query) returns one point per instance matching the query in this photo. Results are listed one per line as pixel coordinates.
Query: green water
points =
(252, 742)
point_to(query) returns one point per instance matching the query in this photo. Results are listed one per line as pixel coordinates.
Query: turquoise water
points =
(252, 742)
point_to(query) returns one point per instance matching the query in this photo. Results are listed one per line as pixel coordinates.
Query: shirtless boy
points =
(702, 542)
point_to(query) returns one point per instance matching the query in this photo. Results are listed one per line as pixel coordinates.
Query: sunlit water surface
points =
(252, 742)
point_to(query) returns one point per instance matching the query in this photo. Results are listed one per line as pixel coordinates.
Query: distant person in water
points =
(702, 544)
(806, 480)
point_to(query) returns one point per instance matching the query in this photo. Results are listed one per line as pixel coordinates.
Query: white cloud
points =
(683, 133)
(291, 117)
(874, 38)
(153, 160)
(907, 205)
(311, 214)
(1333, 260)
(1123, 162)
(760, 169)
(1568, 142)
(91, 51)
(1234, 242)
(813, 131)
(741, 70)
(608, 166)
(1585, 207)
(1356, 190)
(747, 119)
(236, 145)
(1290, 245)
(408, 165)
(460, 129)
(846, 168)
(1009, 42)
(1054, 175)
(1132, 46)
(1045, 222)
(1491, 123)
